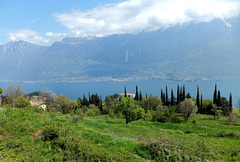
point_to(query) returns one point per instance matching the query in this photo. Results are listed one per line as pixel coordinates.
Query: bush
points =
(165, 116)
(37, 109)
(21, 102)
(76, 118)
(93, 112)
(50, 133)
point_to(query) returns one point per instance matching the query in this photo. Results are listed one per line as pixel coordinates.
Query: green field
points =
(36, 135)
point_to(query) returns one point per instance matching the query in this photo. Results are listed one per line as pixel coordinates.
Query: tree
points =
(184, 93)
(218, 103)
(187, 107)
(200, 110)
(207, 106)
(163, 97)
(13, 91)
(125, 91)
(215, 95)
(188, 95)
(84, 101)
(130, 110)
(151, 102)
(1, 90)
(172, 98)
(198, 100)
(140, 96)
(178, 94)
(230, 109)
(136, 96)
(167, 102)
(64, 104)
(21, 102)
(51, 98)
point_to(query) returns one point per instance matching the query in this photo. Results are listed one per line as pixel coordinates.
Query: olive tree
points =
(64, 104)
(188, 107)
(130, 110)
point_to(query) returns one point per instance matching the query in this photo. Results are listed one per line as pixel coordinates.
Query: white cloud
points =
(136, 15)
(36, 38)
(27, 35)
(52, 37)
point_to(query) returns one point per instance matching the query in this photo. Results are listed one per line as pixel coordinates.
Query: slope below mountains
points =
(185, 52)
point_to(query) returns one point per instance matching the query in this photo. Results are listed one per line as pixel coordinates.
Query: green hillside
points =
(32, 134)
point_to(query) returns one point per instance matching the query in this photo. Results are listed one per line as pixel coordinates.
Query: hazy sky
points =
(45, 21)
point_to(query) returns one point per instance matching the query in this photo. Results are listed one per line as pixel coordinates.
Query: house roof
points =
(128, 94)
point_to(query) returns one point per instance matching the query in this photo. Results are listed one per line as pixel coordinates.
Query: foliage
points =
(21, 102)
(12, 92)
(216, 111)
(1, 90)
(151, 103)
(165, 116)
(187, 108)
(131, 111)
(51, 98)
(64, 104)
(207, 106)
(27, 135)
(93, 112)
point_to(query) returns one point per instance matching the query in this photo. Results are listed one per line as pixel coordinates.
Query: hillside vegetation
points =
(32, 134)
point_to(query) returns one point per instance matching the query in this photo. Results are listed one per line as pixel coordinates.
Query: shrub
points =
(76, 118)
(37, 109)
(165, 116)
(50, 133)
(21, 102)
(93, 112)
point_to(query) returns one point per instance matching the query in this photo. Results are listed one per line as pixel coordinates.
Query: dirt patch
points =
(38, 134)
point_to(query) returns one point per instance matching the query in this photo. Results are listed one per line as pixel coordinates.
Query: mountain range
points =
(194, 51)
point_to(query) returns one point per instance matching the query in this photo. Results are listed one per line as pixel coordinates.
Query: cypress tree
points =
(161, 94)
(140, 98)
(181, 94)
(136, 96)
(167, 103)
(172, 98)
(219, 98)
(184, 95)
(89, 98)
(230, 109)
(162, 97)
(230, 100)
(215, 95)
(178, 94)
(188, 95)
(198, 104)
(125, 91)
(100, 104)
(146, 95)
(201, 108)
(85, 101)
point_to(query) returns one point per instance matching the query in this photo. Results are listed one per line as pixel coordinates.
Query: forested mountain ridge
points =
(194, 51)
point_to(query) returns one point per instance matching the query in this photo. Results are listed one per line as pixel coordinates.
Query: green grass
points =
(106, 139)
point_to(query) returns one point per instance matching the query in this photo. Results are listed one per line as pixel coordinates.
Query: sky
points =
(46, 21)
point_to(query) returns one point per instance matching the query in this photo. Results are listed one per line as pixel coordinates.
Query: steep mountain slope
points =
(189, 51)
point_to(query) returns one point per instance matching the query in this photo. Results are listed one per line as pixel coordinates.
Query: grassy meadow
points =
(31, 134)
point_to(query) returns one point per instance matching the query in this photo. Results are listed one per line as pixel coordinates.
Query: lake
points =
(77, 89)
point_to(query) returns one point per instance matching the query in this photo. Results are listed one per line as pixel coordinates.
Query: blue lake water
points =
(77, 89)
